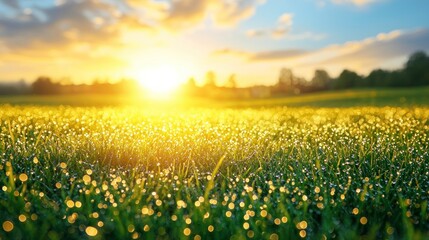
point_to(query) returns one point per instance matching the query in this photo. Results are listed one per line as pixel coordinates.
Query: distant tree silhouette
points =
(348, 79)
(231, 83)
(44, 85)
(210, 79)
(286, 77)
(191, 83)
(378, 78)
(321, 79)
(417, 69)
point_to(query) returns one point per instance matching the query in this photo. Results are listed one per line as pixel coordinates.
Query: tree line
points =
(414, 73)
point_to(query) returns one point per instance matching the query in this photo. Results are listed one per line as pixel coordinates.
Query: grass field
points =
(399, 97)
(117, 172)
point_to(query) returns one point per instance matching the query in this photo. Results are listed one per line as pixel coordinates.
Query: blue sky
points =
(254, 39)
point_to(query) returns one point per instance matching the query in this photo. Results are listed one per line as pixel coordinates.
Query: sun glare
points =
(160, 80)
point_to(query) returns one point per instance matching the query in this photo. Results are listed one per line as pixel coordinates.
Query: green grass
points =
(400, 97)
(271, 173)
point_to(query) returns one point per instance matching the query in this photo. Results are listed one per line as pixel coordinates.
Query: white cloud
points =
(286, 19)
(355, 2)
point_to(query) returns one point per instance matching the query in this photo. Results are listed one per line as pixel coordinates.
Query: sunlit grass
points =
(275, 173)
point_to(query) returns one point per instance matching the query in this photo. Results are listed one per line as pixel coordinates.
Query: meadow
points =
(69, 172)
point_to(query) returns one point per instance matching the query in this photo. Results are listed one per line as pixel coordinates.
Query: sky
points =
(148, 40)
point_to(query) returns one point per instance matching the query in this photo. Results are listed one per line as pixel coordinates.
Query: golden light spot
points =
(188, 221)
(86, 179)
(250, 234)
(146, 228)
(317, 189)
(363, 220)
(302, 225)
(100, 224)
(7, 226)
(187, 231)
(78, 204)
(91, 231)
(277, 221)
(158, 202)
(242, 204)
(304, 198)
(264, 213)
(63, 165)
(231, 206)
(131, 228)
(284, 219)
(35, 160)
(302, 233)
(408, 213)
(135, 235)
(70, 203)
(246, 225)
(197, 237)
(210, 228)
(145, 210)
(58, 185)
(355, 211)
(274, 236)
(390, 230)
(174, 218)
(22, 218)
(228, 214)
(23, 177)
(95, 215)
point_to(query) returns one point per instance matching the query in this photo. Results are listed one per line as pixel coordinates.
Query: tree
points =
(378, 78)
(347, 79)
(321, 79)
(231, 83)
(191, 84)
(210, 79)
(417, 69)
(44, 85)
(286, 77)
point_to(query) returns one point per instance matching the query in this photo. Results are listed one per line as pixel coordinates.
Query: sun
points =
(160, 80)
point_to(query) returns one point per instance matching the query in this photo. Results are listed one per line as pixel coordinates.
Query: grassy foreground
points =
(276, 173)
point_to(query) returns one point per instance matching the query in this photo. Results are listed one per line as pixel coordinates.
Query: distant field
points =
(349, 98)
(266, 173)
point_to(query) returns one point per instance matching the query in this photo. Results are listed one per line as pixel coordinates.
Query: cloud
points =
(68, 22)
(13, 4)
(105, 21)
(385, 50)
(355, 2)
(284, 30)
(284, 25)
(232, 12)
(373, 51)
(275, 55)
(261, 56)
(286, 19)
